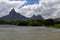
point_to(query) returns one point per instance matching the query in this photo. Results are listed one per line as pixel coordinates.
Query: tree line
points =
(33, 22)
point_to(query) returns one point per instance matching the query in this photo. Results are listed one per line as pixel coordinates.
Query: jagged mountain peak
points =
(13, 15)
(33, 16)
(37, 17)
(12, 12)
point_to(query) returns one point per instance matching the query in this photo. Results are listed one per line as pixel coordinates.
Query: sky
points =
(28, 8)
(30, 2)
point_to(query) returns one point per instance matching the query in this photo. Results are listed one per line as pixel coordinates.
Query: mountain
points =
(37, 17)
(13, 16)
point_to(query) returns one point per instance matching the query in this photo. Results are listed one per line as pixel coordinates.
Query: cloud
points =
(46, 8)
(30, 2)
(6, 6)
(17, 0)
(51, 8)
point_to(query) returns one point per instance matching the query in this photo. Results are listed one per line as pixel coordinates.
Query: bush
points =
(49, 22)
(56, 26)
(12, 22)
(22, 23)
(3, 22)
(36, 22)
(57, 22)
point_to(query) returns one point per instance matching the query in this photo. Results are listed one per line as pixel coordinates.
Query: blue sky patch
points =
(30, 2)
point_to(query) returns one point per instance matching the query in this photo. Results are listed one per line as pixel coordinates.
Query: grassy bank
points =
(54, 26)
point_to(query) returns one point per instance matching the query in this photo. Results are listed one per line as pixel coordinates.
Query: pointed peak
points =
(13, 9)
(37, 17)
(34, 15)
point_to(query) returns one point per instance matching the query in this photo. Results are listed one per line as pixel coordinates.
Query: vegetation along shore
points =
(34, 22)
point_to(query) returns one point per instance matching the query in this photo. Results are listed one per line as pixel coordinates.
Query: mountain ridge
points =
(13, 15)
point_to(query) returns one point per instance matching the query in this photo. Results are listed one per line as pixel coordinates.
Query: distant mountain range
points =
(13, 15)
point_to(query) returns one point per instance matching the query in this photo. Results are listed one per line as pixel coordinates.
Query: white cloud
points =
(6, 6)
(29, 10)
(52, 8)
(47, 8)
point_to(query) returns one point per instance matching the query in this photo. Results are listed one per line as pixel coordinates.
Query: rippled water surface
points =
(12, 32)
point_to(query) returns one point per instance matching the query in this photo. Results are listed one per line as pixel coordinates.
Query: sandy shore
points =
(28, 33)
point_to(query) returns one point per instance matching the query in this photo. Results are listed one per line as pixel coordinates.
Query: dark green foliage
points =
(3, 22)
(34, 22)
(49, 22)
(12, 22)
(54, 26)
(57, 22)
(21, 23)
(52, 23)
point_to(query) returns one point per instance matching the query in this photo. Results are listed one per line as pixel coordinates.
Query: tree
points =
(22, 23)
(57, 22)
(49, 22)
(3, 22)
(12, 22)
(35, 22)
